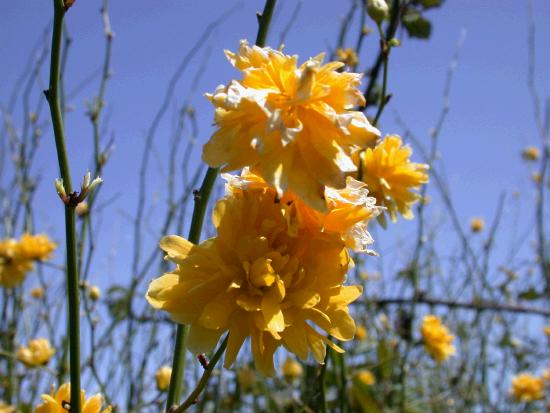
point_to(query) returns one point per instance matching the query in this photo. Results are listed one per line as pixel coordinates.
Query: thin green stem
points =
(322, 383)
(52, 95)
(201, 202)
(192, 398)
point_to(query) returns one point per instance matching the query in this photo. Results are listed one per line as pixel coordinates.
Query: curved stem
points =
(52, 95)
(192, 398)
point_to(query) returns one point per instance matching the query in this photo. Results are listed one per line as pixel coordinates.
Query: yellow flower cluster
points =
(59, 402)
(527, 388)
(438, 341)
(37, 353)
(275, 271)
(17, 257)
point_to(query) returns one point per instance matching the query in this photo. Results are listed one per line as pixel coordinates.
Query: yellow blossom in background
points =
(37, 292)
(36, 247)
(361, 333)
(162, 377)
(292, 370)
(6, 408)
(293, 125)
(16, 257)
(546, 375)
(255, 279)
(531, 153)
(391, 177)
(95, 293)
(536, 177)
(348, 210)
(59, 402)
(438, 341)
(348, 57)
(38, 352)
(477, 224)
(547, 330)
(365, 377)
(527, 388)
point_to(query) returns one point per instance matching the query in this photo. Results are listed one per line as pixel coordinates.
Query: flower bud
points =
(95, 293)
(291, 370)
(162, 377)
(377, 10)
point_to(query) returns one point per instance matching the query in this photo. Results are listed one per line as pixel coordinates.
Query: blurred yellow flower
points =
(391, 177)
(16, 257)
(292, 370)
(366, 377)
(361, 333)
(37, 292)
(255, 279)
(6, 408)
(347, 56)
(38, 352)
(438, 341)
(477, 224)
(59, 402)
(162, 377)
(348, 210)
(293, 125)
(527, 388)
(547, 330)
(95, 292)
(36, 247)
(531, 153)
(546, 375)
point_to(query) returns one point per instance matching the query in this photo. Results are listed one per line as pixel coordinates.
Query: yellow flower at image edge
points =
(37, 353)
(6, 408)
(391, 177)
(257, 280)
(293, 125)
(527, 388)
(58, 402)
(16, 257)
(438, 341)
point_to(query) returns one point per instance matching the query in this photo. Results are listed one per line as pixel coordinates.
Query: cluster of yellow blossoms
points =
(17, 257)
(59, 402)
(438, 341)
(37, 353)
(275, 272)
(527, 388)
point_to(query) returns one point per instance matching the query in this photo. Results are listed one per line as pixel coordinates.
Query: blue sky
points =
(490, 117)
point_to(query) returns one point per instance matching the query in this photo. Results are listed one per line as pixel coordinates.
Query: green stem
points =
(322, 383)
(201, 203)
(52, 95)
(192, 398)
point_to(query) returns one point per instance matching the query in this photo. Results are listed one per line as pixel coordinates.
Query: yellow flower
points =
(477, 224)
(438, 341)
(391, 177)
(16, 257)
(348, 210)
(292, 370)
(531, 153)
(547, 330)
(255, 279)
(162, 377)
(361, 333)
(347, 56)
(527, 388)
(38, 352)
(60, 402)
(293, 125)
(36, 247)
(95, 293)
(6, 408)
(37, 292)
(546, 375)
(365, 377)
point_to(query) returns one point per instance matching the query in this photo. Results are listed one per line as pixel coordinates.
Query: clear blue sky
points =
(489, 122)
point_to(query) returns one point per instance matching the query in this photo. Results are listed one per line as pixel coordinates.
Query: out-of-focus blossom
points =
(60, 402)
(361, 333)
(438, 341)
(162, 377)
(292, 370)
(531, 153)
(527, 388)
(347, 56)
(38, 352)
(365, 377)
(477, 224)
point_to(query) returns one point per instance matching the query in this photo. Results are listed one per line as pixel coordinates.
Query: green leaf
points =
(428, 4)
(530, 294)
(385, 359)
(417, 26)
